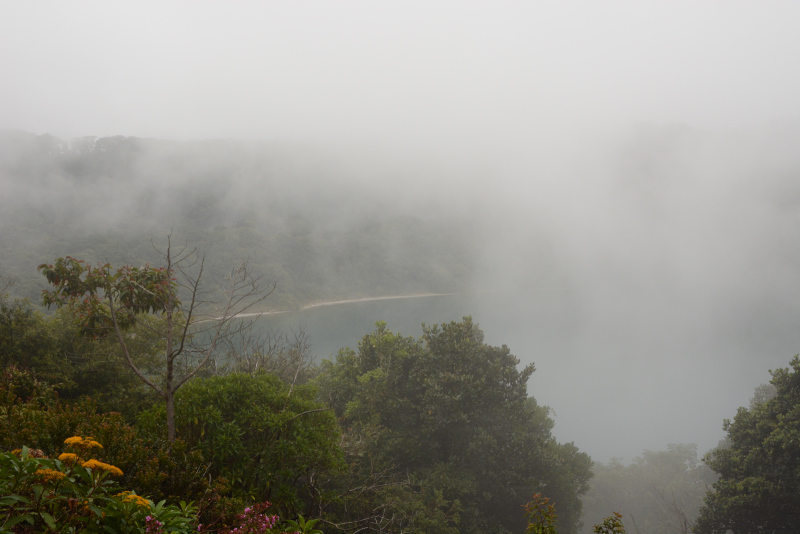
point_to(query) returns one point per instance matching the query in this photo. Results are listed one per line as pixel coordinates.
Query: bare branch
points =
(194, 284)
(6, 283)
(125, 352)
(307, 412)
(243, 293)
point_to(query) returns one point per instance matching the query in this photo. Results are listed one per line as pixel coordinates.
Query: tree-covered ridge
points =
(455, 414)
(302, 220)
(759, 463)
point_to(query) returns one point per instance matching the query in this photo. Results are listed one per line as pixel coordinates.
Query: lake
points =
(332, 327)
(622, 373)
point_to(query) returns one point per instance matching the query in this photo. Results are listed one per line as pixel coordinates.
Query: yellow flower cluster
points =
(95, 464)
(49, 475)
(68, 457)
(132, 497)
(83, 443)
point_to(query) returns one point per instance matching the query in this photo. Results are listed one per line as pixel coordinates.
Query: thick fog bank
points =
(652, 277)
(650, 271)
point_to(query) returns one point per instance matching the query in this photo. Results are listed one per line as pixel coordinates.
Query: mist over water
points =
(650, 274)
(672, 253)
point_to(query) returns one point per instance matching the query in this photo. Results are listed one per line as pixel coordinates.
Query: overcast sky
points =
(422, 70)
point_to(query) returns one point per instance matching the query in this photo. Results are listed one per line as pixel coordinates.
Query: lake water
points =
(343, 325)
(621, 374)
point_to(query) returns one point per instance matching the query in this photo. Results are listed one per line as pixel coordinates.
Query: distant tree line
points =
(306, 227)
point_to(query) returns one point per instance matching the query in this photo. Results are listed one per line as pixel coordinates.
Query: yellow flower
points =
(68, 457)
(49, 475)
(95, 464)
(84, 445)
(128, 496)
(137, 500)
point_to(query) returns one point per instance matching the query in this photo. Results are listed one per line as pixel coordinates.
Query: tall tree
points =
(108, 302)
(759, 464)
(454, 413)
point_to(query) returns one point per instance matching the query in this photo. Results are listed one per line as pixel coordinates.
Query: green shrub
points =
(269, 440)
(72, 494)
(543, 519)
(31, 414)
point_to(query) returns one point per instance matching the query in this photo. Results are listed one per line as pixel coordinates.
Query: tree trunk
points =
(169, 393)
(170, 415)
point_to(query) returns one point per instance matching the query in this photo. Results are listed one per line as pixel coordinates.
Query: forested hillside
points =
(430, 435)
(435, 434)
(300, 218)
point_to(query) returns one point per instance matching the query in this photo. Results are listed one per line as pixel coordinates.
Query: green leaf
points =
(49, 520)
(97, 511)
(18, 519)
(10, 498)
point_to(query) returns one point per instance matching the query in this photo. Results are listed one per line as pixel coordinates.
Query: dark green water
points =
(343, 325)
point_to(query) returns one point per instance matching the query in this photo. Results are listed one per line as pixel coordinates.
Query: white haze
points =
(633, 165)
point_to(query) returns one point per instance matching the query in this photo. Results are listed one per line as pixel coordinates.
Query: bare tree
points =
(195, 325)
(284, 354)
(671, 507)
(6, 283)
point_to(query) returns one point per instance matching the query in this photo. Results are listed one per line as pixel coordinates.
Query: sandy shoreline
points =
(344, 301)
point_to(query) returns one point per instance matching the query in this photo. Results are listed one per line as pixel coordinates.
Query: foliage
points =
(73, 494)
(454, 413)
(270, 439)
(543, 519)
(31, 414)
(26, 340)
(108, 303)
(135, 290)
(303, 526)
(660, 492)
(610, 525)
(541, 516)
(759, 488)
(51, 347)
(253, 520)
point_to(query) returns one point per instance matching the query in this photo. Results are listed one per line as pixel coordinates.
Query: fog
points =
(626, 173)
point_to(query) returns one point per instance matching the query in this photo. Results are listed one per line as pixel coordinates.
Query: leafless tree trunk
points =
(6, 283)
(671, 506)
(197, 328)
